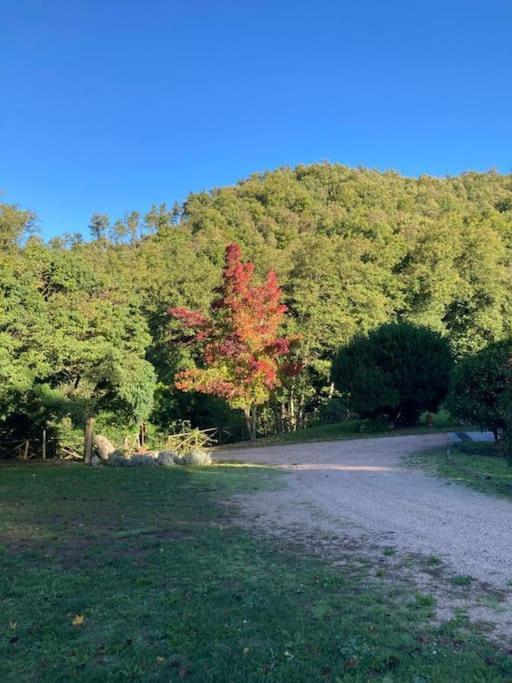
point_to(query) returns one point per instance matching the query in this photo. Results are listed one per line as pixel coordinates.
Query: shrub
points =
(480, 387)
(396, 371)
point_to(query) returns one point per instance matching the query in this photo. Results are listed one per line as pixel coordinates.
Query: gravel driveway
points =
(361, 488)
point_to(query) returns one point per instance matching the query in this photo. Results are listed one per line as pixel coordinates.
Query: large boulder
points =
(198, 458)
(103, 447)
(142, 459)
(117, 458)
(167, 458)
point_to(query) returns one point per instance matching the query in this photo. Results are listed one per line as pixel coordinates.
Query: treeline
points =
(84, 328)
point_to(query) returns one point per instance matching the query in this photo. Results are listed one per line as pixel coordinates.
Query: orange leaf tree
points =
(242, 355)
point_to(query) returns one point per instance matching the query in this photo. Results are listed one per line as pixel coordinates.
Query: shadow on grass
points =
(114, 574)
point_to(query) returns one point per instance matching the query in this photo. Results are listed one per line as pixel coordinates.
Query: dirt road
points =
(362, 489)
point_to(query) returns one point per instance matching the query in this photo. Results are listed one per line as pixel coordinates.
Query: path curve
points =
(361, 487)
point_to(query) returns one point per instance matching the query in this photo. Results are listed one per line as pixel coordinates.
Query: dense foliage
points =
(85, 324)
(396, 371)
(243, 356)
(481, 387)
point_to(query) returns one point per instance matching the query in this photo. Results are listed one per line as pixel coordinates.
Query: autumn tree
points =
(242, 355)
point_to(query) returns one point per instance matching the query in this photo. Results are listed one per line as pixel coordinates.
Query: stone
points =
(95, 462)
(142, 459)
(117, 458)
(102, 446)
(167, 458)
(198, 458)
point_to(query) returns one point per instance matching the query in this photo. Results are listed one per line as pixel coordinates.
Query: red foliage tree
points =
(243, 356)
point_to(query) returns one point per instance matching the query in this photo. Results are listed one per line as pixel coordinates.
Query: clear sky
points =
(111, 105)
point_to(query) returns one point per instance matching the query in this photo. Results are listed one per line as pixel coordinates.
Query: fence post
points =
(89, 430)
(44, 444)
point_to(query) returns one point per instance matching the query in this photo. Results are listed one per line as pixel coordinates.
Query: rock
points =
(167, 458)
(95, 462)
(117, 458)
(102, 446)
(140, 459)
(198, 458)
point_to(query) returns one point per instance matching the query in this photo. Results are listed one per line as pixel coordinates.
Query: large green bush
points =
(396, 371)
(480, 388)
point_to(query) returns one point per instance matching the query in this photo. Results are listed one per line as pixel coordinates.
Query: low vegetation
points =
(361, 429)
(158, 583)
(478, 465)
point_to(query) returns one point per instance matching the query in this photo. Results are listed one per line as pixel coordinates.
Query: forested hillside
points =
(84, 326)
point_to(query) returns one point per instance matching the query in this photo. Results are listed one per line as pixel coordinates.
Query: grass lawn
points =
(116, 574)
(475, 464)
(359, 429)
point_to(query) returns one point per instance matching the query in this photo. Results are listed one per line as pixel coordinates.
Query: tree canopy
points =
(353, 249)
(240, 347)
(397, 371)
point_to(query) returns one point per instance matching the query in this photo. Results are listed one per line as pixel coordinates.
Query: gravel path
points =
(361, 488)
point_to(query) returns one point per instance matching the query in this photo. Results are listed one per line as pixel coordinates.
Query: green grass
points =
(475, 464)
(112, 574)
(358, 429)
(461, 580)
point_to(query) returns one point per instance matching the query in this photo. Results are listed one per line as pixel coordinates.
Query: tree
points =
(132, 223)
(241, 352)
(352, 248)
(481, 387)
(99, 225)
(15, 224)
(72, 340)
(397, 371)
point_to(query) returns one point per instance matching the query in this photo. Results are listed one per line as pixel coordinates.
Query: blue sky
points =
(112, 105)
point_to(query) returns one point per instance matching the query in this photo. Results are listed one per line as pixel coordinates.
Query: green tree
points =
(481, 387)
(99, 225)
(396, 371)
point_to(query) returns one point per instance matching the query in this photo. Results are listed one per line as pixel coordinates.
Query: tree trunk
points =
(283, 416)
(88, 437)
(247, 414)
(250, 420)
(142, 436)
(254, 420)
(292, 410)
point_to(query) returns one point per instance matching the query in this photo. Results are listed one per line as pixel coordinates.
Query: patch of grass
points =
(140, 575)
(424, 601)
(478, 465)
(433, 560)
(461, 580)
(356, 429)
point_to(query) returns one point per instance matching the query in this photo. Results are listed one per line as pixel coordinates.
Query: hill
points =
(83, 325)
